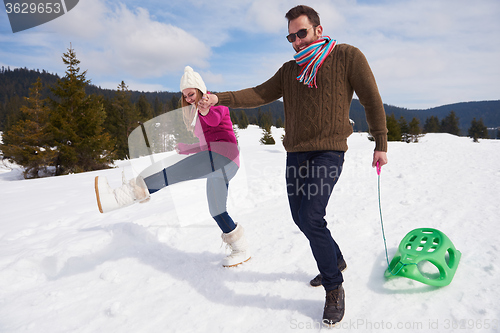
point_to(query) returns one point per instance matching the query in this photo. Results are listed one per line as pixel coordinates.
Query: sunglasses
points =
(302, 33)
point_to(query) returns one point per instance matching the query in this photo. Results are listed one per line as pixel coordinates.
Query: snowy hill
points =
(156, 267)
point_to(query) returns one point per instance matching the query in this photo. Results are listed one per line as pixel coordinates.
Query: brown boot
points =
(334, 306)
(317, 281)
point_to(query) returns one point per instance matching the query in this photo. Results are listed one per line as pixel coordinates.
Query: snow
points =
(156, 267)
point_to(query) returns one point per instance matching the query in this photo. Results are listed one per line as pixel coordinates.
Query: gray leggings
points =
(216, 168)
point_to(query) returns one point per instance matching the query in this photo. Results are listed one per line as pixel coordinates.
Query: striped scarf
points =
(312, 57)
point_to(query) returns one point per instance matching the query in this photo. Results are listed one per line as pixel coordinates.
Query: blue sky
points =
(423, 53)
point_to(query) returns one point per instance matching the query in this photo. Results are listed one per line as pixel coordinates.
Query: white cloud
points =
(423, 53)
(211, 79)
(115, 39)
(267, 15)
(435, 52)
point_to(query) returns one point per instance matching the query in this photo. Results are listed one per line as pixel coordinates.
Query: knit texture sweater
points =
(215, 133)
(318, 118)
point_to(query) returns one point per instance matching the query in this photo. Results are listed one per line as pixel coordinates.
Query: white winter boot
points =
(130, 192)
(237, 241)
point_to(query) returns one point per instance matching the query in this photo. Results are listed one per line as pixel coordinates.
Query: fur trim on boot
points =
(109, 199)
(237, 241)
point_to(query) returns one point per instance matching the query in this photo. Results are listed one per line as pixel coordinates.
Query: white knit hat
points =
(191, 79)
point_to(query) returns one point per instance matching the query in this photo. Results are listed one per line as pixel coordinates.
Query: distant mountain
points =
(16, 83)
(489, 111)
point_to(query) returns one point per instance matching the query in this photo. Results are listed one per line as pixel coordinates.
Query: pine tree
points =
(265, 119)
(27, 143)
(234, 117)
(12, 112)
(175, 102)
(477, 130)
(279, 123)
(450, 124)
(267, 138)
(143, 108)
(266, 123)
(260, 115)
(415, 131)
(234, 120)
(121, 120)
(405, 130)
(243, 123)
(394, 131)
(158, 107)
(77, 123)
(432, 125)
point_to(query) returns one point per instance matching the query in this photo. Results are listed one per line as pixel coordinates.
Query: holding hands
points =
(207, 101)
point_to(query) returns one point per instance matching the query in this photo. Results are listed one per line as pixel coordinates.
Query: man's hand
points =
(379, 156)
(203, 111)
(207, 101)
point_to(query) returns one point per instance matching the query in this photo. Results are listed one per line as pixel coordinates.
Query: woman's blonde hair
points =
(189, 111)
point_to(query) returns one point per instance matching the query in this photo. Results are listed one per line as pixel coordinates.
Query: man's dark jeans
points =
(310, 179)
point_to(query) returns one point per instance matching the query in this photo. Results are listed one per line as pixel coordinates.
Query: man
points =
(317, 89)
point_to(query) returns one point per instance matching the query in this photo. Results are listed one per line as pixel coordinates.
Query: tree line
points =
(72, 131)
(65, 125)
(15, 84)
(263, 119)
(401, 130)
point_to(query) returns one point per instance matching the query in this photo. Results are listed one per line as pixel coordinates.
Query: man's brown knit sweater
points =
(318, 118)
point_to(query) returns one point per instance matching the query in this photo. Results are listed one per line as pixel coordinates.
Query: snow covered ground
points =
(156, 267)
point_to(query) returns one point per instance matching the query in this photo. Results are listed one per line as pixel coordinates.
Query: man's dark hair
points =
(300, 10)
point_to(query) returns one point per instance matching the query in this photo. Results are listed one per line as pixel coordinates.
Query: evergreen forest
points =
(59, 125)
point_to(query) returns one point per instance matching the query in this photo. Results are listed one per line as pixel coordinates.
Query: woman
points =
(215, 157)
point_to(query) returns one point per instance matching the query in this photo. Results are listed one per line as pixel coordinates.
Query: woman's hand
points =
(203, 111)
(207, 101)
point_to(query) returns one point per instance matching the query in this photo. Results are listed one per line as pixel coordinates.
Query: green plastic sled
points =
(420, 245)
